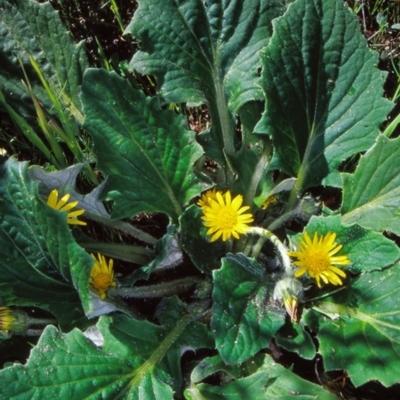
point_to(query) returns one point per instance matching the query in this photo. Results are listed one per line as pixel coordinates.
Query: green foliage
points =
(370, 195)
(324, 96)
(270, 381)
(29, 29)
(40, 79)
(365, 321)
(41, 265)
(243, 320)
(146, 152)
(294, 98)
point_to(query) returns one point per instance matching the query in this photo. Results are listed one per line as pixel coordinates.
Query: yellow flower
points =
(317, 257)
(12, 320)
(205, 198)
(62, 205)
(102, 275)
(225, 217)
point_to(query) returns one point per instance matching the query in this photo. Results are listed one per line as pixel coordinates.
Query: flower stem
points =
(278, 244)
(170, 288)
(33, 332)
(40, 321)
(259, 171)
(271, 227)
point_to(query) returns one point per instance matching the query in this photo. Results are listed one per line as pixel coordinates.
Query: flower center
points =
(101, 281)
(227, 218)
(317, 261)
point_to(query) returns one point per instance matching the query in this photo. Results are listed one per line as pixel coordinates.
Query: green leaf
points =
(132, 360)
(63, 364)
(146, 152)
(203, 51)
(294, 337)
(324, 92)
(271, 381)
(243, 320)
(162, 346)
(371, 196)
(251, 387)
(205, 256)
(367, 250)
(41, 265)
(194, 336)
(367, 332)
(284, 385)
(28, 28)
(210, 366)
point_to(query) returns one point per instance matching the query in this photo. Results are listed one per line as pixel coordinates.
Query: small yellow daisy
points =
(102, 275)
(225, 217)
(317, 258)
(63, 205)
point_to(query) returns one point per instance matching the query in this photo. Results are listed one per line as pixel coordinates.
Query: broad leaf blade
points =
(40, 263)
(161, 346)
(295, 338)
(324, 92)
(63, 364)
(371, 196)
(270, 381)
(203, 51)
(368, 330)
(243, 320)
(30, 28)
(146, 152)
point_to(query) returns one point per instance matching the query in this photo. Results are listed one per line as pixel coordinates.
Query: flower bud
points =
(289, 291)
(12, 320)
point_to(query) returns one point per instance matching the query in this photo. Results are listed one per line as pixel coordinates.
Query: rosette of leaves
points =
(308, 71)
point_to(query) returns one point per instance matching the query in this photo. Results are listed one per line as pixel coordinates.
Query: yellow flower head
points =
(12, 320)
(205, 198)
(102, 275)
(63, 205)
(317, 258)
(225, 217)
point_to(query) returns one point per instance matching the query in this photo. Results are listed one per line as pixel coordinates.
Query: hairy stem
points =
(164, 289)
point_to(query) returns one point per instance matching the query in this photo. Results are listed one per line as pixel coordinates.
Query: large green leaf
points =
(132, 361)
(61, 366)
(371, 196)
(243, 320)
(156, 345)
(41, 265)
(270, 381)
(146, 152)
(203, 51)
(365, 339)
(29, 28)
(367, 250)
(324, 92)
